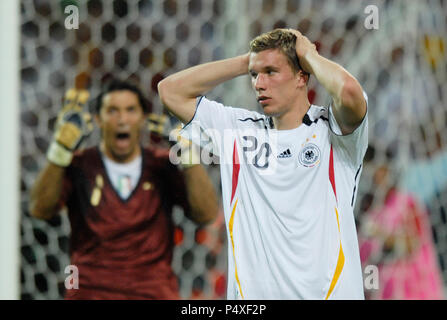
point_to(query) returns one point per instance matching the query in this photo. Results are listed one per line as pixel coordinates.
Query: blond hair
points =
(282, 40)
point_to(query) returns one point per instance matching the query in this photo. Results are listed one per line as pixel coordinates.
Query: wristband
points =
(58, 155)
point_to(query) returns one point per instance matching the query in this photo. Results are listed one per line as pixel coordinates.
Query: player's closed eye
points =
(269, 72)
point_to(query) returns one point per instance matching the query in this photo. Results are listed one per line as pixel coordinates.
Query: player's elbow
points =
(176, 99)
(167, 93)
(163, 89)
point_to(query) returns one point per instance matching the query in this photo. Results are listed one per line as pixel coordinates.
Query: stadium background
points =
(401, 65)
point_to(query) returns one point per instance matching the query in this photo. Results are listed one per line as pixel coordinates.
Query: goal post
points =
(9, 160)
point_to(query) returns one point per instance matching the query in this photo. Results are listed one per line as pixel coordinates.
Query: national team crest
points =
(309, 156)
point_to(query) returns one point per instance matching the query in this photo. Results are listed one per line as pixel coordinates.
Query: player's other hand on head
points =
(303, 47)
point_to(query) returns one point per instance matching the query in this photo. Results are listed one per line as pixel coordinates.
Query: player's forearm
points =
(345, 90)
(47, 191)
(198, 80)
(201, 195)
(329, 74)
(178, 91)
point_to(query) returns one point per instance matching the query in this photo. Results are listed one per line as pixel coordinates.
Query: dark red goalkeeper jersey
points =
(123, 248)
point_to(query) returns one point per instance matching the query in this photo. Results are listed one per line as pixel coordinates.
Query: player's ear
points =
(302, 78)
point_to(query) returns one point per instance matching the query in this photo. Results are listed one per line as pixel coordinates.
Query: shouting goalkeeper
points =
(119, 197)
(289, 174)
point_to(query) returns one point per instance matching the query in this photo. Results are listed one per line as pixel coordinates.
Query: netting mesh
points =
(401, 65)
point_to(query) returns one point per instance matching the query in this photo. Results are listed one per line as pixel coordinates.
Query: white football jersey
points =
(288, 198)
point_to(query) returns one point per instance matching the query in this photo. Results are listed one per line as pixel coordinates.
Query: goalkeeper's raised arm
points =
(179, 91)
(72, 126)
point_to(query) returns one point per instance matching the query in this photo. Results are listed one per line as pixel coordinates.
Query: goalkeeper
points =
(119, 197)
(289, 174)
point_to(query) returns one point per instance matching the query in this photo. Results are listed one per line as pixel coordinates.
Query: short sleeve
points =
(211, 119)
(353, 145)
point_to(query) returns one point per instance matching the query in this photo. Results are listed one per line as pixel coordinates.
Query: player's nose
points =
(259, 82)
(122, 118)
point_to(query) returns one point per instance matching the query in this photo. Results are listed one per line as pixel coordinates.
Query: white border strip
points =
(9, 146)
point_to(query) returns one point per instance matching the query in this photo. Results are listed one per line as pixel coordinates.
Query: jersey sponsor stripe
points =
(341, 256)
(340, 263)
(236, 168)
(235, 179)
(230, 226)
(331, 172)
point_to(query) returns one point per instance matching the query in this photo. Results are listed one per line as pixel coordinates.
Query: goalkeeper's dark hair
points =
(118, 85)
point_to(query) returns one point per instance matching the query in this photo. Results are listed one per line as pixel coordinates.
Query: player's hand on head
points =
(303, 46)
(73, 125)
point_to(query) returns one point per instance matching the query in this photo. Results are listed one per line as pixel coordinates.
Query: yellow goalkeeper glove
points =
(72, 126)
(190, 155)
